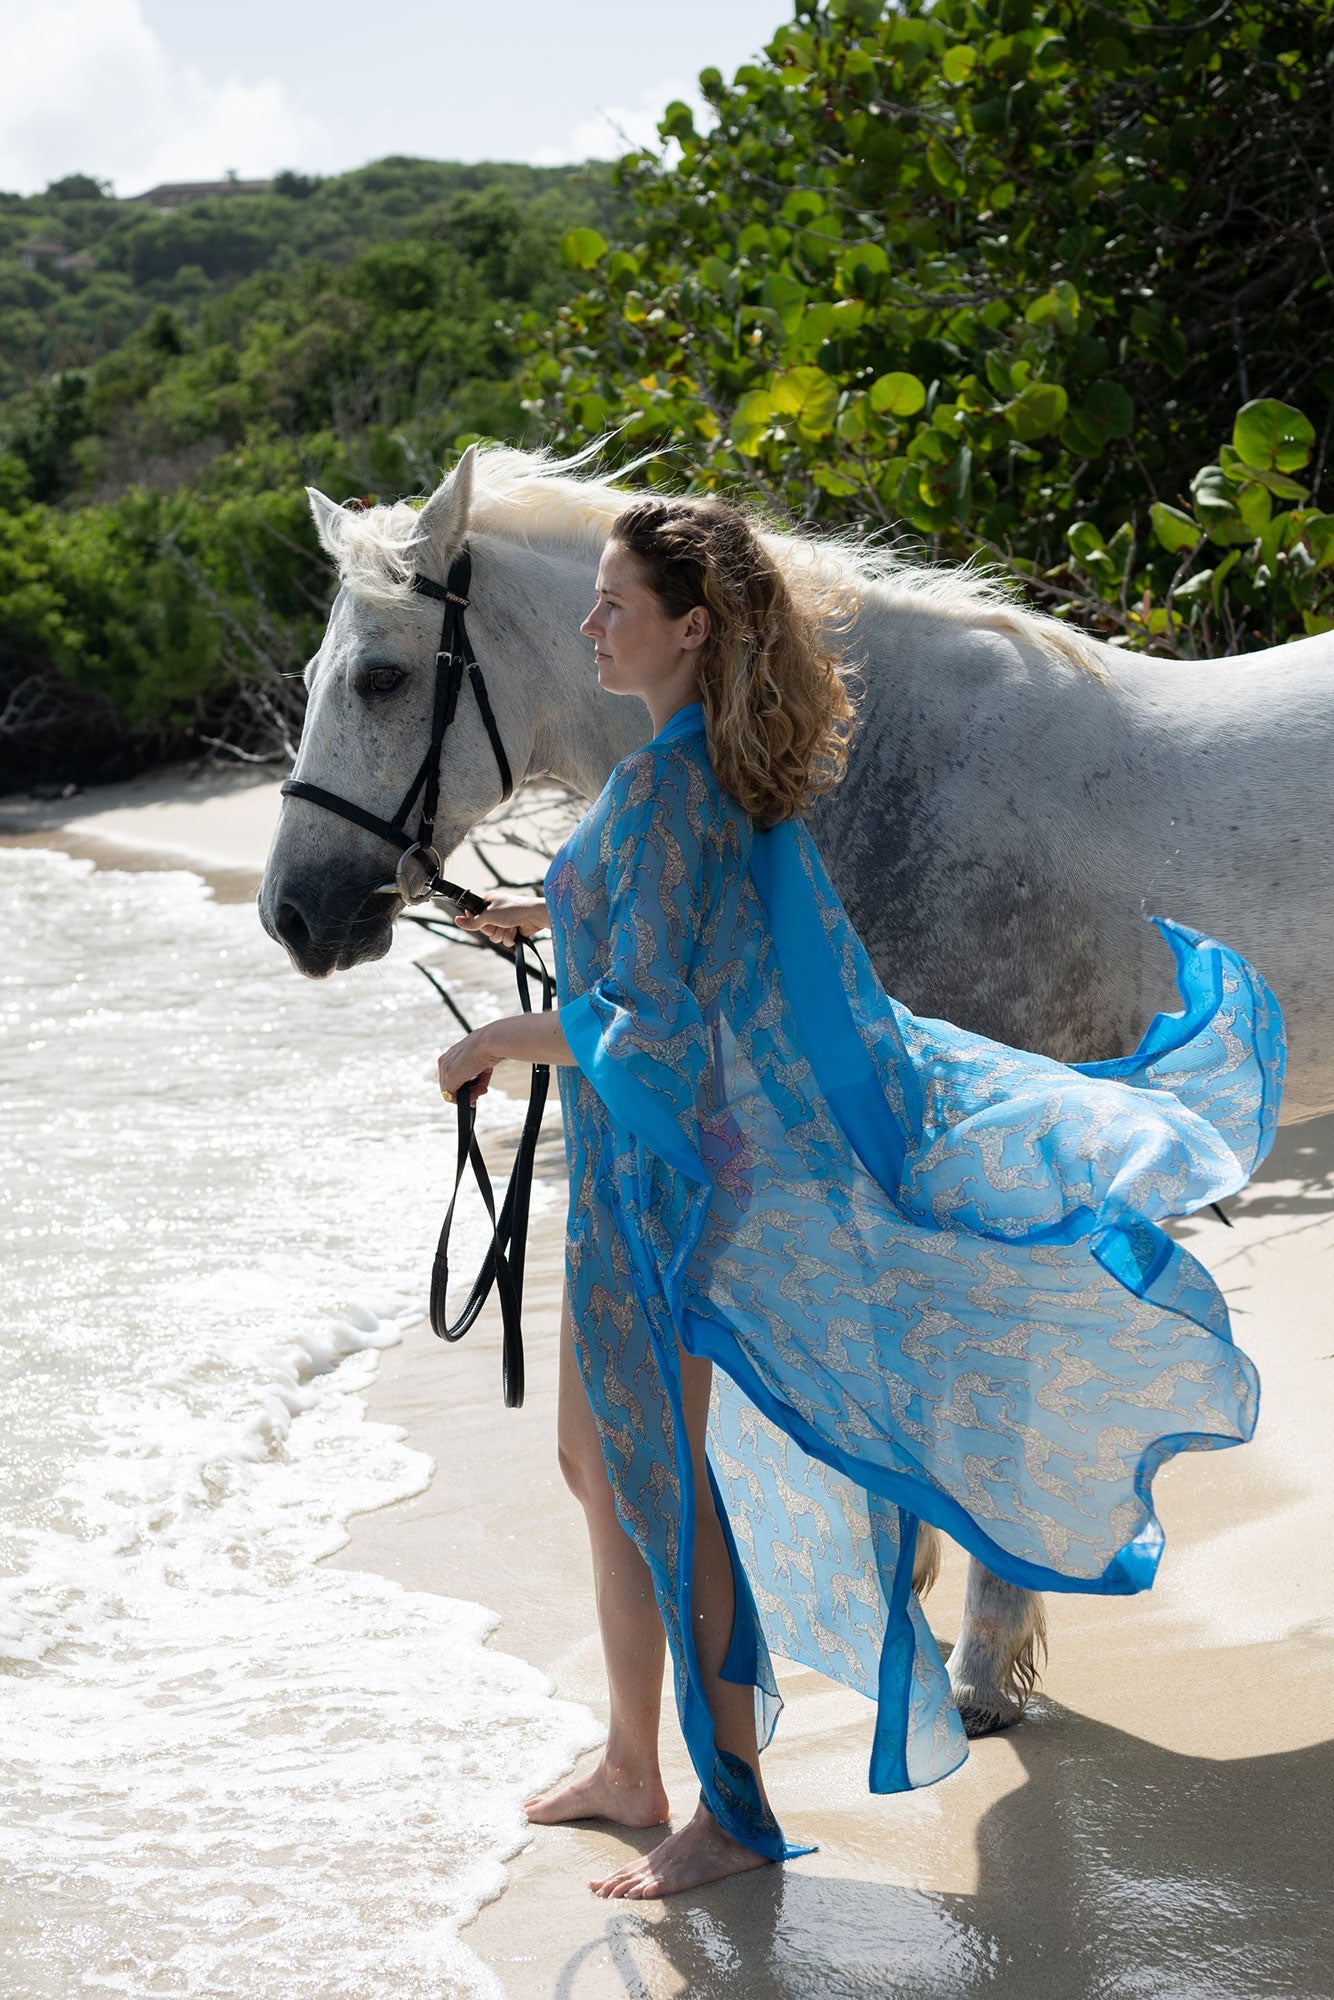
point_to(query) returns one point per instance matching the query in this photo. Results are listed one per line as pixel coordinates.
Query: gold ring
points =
(448, 1095)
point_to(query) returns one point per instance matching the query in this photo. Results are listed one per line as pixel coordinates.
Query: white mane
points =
(535, 498)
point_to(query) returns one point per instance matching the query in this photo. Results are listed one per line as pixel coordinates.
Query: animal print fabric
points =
(929, 1269)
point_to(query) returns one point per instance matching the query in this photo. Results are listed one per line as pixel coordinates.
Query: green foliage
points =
(51, 319)
(154, 616)
(583, 248)
(1268, 573)
(399, 337)
(157, 551)
(979, 267)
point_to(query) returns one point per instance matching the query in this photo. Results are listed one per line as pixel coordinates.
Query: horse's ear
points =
(323, 510)
(444, 519)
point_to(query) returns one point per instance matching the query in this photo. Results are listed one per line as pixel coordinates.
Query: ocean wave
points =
(228, 1770)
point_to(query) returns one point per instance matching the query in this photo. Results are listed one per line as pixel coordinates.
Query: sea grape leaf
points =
(1272, 435)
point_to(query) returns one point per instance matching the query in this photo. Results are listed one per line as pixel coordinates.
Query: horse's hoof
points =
(988, 1721)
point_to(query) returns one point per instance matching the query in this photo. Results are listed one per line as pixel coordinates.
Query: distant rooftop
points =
(39, 250)
(175, 194)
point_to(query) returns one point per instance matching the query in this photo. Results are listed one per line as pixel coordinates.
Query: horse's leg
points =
(994, 1666)
(926, 1558)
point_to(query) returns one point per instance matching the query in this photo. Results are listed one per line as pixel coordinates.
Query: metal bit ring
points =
(430, 861)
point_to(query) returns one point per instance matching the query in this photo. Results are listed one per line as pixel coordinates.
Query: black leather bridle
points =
(504, 1262)
(454, 657)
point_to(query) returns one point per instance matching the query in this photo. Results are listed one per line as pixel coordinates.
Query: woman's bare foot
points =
(612, 1791)
(701, 1852)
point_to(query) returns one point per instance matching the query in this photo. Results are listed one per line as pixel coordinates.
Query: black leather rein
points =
(503, 1267)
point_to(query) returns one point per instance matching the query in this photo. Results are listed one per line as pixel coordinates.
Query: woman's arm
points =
(505, 914)
(638, 1030)
(529, 1038)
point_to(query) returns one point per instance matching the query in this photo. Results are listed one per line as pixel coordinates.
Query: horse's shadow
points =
(1303, 1154)
(1118, 1871)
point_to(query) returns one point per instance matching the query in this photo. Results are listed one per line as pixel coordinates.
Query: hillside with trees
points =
(169, 387)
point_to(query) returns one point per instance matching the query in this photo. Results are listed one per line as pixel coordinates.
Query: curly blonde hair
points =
(773, 684)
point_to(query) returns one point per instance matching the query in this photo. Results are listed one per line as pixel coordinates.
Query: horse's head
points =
(367, 728)
(535, 528)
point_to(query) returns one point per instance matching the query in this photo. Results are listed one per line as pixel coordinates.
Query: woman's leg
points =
(627, 1783)
(702, 1851)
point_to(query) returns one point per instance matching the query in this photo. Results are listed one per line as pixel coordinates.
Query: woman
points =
(928, 1266)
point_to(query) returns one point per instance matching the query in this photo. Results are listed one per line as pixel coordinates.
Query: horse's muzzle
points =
(324, 931)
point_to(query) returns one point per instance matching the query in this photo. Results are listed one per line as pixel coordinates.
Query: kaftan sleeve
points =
(637, 1032)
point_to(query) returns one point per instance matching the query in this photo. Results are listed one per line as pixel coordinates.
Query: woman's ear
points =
(696, 627)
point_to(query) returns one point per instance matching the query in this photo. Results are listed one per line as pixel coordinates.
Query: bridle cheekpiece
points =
(454, 657)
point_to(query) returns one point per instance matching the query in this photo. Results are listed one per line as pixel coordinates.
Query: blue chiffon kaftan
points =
(927, 1267)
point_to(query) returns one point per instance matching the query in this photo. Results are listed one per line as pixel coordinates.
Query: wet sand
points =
(1159, 1825)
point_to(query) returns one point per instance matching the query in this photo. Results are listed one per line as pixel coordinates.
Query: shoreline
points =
(1156, 1825)
(217, 823)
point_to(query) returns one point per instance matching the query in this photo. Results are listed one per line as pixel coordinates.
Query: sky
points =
(141, 91)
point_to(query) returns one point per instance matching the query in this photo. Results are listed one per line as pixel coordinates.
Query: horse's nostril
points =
(292, 927)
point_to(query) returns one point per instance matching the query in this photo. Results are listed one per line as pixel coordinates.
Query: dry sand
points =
(1158, 1828)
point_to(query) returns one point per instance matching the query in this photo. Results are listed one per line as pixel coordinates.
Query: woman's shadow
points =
(1118, 1871)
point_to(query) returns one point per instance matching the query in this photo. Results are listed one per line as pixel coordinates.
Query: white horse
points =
(1018, 800)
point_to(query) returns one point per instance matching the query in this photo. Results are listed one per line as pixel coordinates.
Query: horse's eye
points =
(382, 680)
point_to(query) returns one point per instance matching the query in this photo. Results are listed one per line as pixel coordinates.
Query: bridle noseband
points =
(455, 654)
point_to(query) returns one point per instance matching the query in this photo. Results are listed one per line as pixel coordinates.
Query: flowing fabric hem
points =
(1130, 1570)
(743, 1815)
(1198, 968)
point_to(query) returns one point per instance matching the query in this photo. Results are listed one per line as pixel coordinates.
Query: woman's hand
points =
(507, 913)
(469, 1061)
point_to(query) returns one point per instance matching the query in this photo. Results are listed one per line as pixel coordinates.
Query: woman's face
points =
(637, 647)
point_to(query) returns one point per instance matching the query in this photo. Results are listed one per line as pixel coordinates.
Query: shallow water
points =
(227, 1770)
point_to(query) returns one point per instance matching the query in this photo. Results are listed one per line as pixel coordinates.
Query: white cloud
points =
(86, 86)
(620, 129)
